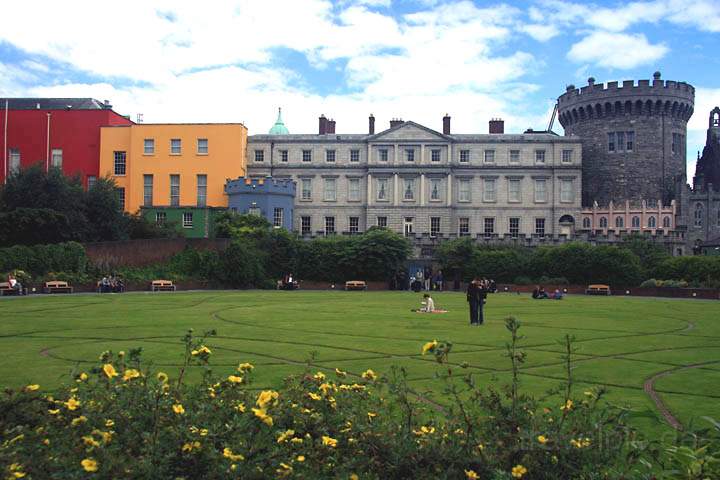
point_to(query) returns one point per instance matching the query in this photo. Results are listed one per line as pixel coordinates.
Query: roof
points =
(54, 104)
(279, 128)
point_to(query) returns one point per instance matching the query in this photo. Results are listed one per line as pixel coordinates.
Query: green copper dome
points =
(279, 128)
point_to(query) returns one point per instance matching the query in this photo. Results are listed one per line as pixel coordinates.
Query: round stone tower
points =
(633, 137)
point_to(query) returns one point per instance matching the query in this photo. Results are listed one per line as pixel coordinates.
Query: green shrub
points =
(40, 259)
(651, 283)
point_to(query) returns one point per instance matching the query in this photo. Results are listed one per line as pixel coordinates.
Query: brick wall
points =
(137, 253)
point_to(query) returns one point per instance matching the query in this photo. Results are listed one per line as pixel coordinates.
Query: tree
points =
(230, 224)
(378, 254)
(651, 255)
(106, 220)
(31, 226)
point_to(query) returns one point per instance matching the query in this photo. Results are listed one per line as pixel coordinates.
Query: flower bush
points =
(122, 419)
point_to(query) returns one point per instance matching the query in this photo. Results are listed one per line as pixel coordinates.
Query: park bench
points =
(355, 285)
(5, 289)
(57, 286)
(598, 290)
(162, 286)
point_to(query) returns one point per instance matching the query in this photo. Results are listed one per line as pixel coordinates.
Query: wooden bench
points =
(5, 289)
(355, 285)
(598, 290)
(57, 286)
(162, 286)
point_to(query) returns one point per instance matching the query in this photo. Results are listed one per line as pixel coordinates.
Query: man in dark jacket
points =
(476, 294)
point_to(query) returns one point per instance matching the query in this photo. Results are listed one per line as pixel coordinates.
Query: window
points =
(259, 155)
(121, 197)
(56, 158)
(489, 190)
(187, 220)
(354, 156)
(175, 146)
(635, 222)
(629, 141)
(305, 226)
(307, 155)
(540, 227)
(667, 223)
(488, 226)
(382, 185)
(566, 191)
(489, 156)
(652, 222)
(15, 161)
(119, 163)
(611, 142)
(160, 218)
(330, 191)
(540, 191)
(434, 226)
(463, 190)
(175, 190)
(277, 217)
(514, 227)
(284, 156)
(254, 210)
(354, 189)
(587, 223)
(147, 190)
(329, 225)
(619, 222)
(201, 190)
(435, 189)
(678, 142)
(603, 222)
(698, 215)
(409, 189)
(435, 155)
(306, 188)
(567, 156)
(410, 154)
(514, 156)
(354, 226)
(463, 226)
(383, 155)
(620, 141)
(464, 156)
(330, 156)
(202, 146)
(382, 222)
(149, 146)
(91, 181)
(514, 190)
(408, 226)
(539, 156)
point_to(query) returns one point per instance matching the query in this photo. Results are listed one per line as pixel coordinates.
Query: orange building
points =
(172, 165)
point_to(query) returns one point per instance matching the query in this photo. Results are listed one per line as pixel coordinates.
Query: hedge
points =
(40, 259)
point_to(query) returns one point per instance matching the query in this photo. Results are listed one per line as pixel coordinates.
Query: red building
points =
(60, 132)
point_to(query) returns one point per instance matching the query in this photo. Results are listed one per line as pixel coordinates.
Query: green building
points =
(194, 222)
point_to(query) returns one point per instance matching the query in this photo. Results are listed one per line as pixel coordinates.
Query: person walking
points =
(473, 299)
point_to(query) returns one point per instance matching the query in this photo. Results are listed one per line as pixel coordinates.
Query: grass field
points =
(622, 342)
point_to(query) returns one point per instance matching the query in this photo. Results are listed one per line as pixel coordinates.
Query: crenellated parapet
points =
(276, 186)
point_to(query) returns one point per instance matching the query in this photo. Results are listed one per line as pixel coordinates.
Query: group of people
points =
(111, 284)
(288, 282)
(539, 293)
(476, 294)
(425, 279)
(15, 285)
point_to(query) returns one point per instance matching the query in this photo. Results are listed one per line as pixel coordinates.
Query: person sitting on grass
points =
(14, 284)
(428, 306)
(539, 293)
(557, 295)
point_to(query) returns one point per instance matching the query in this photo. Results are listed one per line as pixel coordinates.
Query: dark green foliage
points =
(700, 269)
(41, 259)
(230, 224)
(106, 220)
(30, 226)
(139, 227)
(241, 265)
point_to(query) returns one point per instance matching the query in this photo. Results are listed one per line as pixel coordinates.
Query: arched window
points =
(698, 214)
(619, 222)
(666, 222)
(652, 223)
(603, 222)
(636, 222)
(587, 223)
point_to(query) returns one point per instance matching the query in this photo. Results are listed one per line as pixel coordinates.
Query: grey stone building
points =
(424, 183)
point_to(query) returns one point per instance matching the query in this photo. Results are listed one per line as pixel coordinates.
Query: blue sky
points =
(239, 60)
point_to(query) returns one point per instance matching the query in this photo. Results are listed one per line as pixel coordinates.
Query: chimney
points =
(395, 122)
(371, 124)
(330, 126)
(497, 125)
(322, 129)
(106, 104)
(446, 124)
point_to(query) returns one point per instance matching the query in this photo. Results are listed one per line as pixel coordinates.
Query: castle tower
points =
(707, 170)
(633, 136)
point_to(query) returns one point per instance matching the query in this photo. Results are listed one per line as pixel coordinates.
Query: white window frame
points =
(514, 190)
(489, 157)
(354, 156)
(330, 190)
(175, 149)
(203, 146)
(381, 223)
(330, 222)
(410, 154)
(330, 156)
(201, 189)
(463, 226)
(56, 158)
(259, 156)
(306, 227)
(307, 156)
(540, 156)
(567, 195)
(187, 220)
(160, 218)
(464, 190)
(278, 214)
(514, 161)
(489, 190)
(13, 160)
(512, 220)
(567, 156)
(382, 188)
(284, 156)
(119, 163)
(435, 187)
(148, 146)
(464, 156)
(148, 190)
(435, 155)
(540, 192)
(173, 195)
(435, 224)
(354, 189)
(383, 155)
(408, 186)
(306, 189)
(354, 228)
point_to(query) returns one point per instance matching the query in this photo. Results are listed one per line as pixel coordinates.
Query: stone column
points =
(449, 189)
(422, 189)
(422, 154)
(368, 202)
(396, 191)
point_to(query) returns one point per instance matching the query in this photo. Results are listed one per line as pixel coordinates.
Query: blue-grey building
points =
(269, 197)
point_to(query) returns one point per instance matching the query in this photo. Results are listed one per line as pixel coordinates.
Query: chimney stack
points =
(446, 124)
(395, 122)
(497, 125)
(322, 128)
(331, 126)
(371, 124)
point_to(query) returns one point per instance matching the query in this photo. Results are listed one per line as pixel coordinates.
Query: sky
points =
(239, 60)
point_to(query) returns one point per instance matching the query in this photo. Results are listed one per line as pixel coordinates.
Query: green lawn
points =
(621, 341)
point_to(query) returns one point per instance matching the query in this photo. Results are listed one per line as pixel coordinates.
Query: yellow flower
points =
(326, 387)
(424, 431)
(353, 476)
(300, 458)
(79, 420)
(518, 471)
(189, 447)
(106, 436)
(203, 432)
(89, 441)
(202, 351)
(109, 423)
(265, 397)
(46, 441)
(296, 440)
(130, 373)
(245, 367)
(429, 346)
(471, 475)
(32, 388)
(589, 393)
(542, 439)
(109, 370)
(319, 376)
(235, 379)
(89, 465)
(83, 377)
(235, 457)
(72, 403)
(314, 396)
(340, 373)
(240, 407)
(285, 470)
(328, 441)
(162, 377)
(285, 435)
(177, 408)
(369, 375)
(568, 405)
(121, 354)
(371, 415)
(262, 415)
(54, 412)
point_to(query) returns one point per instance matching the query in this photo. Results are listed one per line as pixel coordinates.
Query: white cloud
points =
(541, 33)
(616, 50)
(705, 100)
